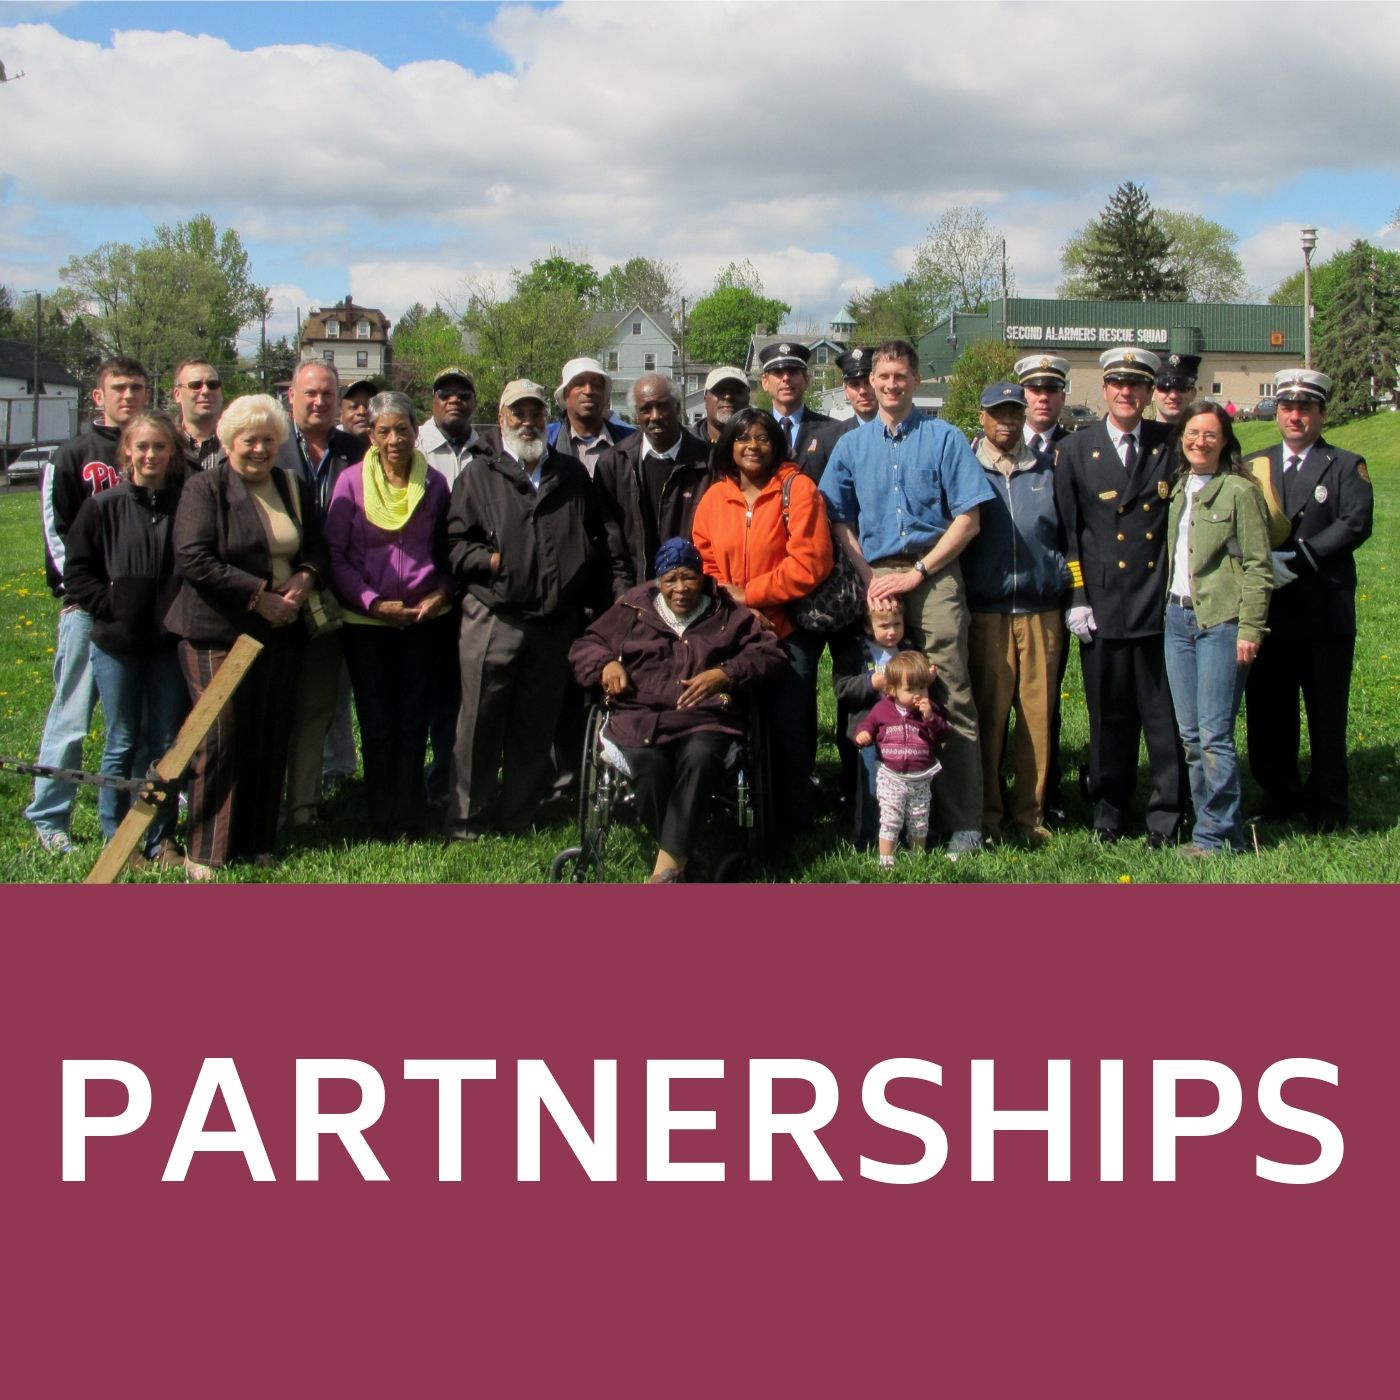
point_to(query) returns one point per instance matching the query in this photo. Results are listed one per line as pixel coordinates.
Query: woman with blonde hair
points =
(249, 553)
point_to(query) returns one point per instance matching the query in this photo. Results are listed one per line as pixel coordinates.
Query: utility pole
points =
(38, 325)
(1004, 292)
(683, 410)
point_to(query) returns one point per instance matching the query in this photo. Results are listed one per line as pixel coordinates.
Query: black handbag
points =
(838, 599)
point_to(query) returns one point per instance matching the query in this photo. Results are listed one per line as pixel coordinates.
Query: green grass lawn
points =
(339, 850)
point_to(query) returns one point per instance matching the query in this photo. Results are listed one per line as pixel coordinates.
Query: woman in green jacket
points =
(1217, 604)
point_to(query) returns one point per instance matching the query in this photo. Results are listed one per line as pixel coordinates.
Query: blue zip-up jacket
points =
(1015, 563)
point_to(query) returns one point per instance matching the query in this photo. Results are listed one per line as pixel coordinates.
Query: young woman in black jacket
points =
(120, 569)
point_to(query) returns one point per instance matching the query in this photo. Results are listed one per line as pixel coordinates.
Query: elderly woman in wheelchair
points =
(673, 659)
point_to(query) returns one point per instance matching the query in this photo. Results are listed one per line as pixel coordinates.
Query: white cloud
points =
(431, 171)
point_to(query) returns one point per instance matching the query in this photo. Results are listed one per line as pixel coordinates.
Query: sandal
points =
(198, 874)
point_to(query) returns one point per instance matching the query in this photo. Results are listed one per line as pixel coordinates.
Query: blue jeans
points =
(69, 719)
(1207, 683)
(144, 699)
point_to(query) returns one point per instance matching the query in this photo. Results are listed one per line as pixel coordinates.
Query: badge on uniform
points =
(1164, 489)
(813, 445)
(1095, 456)
(1108, 495)
(1363, 473)
(1319, 493)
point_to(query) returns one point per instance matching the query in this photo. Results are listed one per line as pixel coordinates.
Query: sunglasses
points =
(201, 384)
(446, 394)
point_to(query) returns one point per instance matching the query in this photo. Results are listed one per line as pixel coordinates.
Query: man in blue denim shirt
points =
(904, 494)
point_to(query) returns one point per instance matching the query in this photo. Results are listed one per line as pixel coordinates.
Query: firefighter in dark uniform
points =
(1045, 379)
(1320, 511)
(1176, 387)
(1112, 484)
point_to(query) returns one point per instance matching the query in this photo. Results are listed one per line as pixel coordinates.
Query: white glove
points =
(1280, 558)
(1081, 622)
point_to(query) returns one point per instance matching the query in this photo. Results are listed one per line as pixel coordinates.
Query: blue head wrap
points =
(677, 554)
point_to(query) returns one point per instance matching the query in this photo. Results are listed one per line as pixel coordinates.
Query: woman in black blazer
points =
(248, 551)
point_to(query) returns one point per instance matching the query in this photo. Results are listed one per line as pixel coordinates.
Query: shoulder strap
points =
(787, 501)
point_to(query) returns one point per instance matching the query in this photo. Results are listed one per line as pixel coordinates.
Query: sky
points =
(404, 152)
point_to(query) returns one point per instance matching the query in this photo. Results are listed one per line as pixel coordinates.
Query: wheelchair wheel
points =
(595, 792)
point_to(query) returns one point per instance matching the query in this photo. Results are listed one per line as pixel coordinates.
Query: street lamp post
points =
(1309, 243)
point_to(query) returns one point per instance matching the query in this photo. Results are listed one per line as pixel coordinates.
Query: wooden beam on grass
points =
(172, 767)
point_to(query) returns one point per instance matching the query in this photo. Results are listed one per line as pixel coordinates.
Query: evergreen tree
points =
(1128, 253)
(1358, 340)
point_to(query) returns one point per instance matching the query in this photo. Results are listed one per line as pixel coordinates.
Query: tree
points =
(186, 292)
(958, 264)
(986, 362)
(721, 324)
(643, 282)
(528, 333)
(66, 337)
(1123, 255)
(432, 342)
(276, 362)
(558, 273)
(1203, 256)
(1358, 340)
(7, 311)
(900, 311)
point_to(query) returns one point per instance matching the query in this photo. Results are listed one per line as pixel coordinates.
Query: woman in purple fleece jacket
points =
(386, 533)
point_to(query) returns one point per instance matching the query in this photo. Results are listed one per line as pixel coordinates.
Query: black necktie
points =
(1038, 444)
(1291, 478)
(786, 425)
(1129, 453)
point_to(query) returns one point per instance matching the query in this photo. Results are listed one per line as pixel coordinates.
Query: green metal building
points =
(1240, 346)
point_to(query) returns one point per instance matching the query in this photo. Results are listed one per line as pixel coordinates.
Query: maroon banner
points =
(873, 1218)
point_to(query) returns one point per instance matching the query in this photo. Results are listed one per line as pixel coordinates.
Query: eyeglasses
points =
(1210, 439)
(201, 384)
(446, 394)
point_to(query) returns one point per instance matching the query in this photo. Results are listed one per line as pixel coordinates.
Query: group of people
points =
(469, 589)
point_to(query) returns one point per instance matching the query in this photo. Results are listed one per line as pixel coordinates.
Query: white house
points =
(58, 398)
(355, 339)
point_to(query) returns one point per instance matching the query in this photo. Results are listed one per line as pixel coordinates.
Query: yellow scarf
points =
(389, 507)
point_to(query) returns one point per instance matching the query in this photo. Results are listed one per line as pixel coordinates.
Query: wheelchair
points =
(741, 803)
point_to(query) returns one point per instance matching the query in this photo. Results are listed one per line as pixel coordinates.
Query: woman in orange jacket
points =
(767, 551)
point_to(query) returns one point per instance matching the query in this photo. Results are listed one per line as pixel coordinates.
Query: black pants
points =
(1318, 668)
(513, 675)
(789, 699)
(391, 671)
(1125, 684)
(674, 782)
(444, 700)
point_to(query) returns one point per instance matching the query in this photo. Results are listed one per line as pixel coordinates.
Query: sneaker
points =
(56, 843)
(887, 862)
(962, 842)
(1191, 851)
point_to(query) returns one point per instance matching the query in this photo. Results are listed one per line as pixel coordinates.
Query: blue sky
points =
(406, 152)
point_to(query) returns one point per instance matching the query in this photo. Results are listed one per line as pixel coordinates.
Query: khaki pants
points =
(935, 619)
(1015, 663)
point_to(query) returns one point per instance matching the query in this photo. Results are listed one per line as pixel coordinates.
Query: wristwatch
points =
(920, 568)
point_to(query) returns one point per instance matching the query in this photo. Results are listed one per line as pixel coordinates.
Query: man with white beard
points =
(526, 539)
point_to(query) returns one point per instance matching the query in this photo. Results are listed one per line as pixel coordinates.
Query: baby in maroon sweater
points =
(907, 729)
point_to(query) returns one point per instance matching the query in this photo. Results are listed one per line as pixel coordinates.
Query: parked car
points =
(26, 467)
(1074, 416)
(1262, 412)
